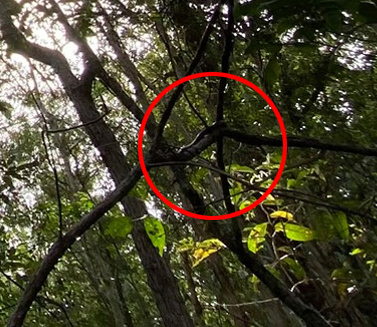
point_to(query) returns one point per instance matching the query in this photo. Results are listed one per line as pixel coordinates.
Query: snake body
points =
(209, 130)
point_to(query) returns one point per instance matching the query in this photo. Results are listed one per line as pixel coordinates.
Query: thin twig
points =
(220, 106)
(246, 303)
(62, 130)
(225, 62)
(50, 160)
(199, 53)
(40, 299)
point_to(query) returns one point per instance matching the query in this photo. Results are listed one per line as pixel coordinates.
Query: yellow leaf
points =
(200, 254)
(211, 243)
(204, 249)
(186, 244)
(282, 214)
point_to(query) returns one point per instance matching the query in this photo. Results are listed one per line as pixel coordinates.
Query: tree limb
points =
(296, 142)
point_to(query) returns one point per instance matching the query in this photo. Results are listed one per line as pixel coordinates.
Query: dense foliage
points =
(83, 239)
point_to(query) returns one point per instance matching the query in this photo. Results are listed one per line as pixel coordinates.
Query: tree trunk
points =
(160, 277)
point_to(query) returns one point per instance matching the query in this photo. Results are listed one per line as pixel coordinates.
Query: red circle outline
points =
(192, 214)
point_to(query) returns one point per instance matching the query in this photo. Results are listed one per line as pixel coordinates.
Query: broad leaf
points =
(244, 204)
(204, 249)
(257, 237)
(295, 267)
(200, 254)
(236, 193)
(282, 214)
(341, 225)
(156, 233)
(296, 232)
(119, 226)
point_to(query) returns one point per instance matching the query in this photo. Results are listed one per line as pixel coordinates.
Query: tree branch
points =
(251, 261)
(93, 67)
(215, 131)
(296, 142)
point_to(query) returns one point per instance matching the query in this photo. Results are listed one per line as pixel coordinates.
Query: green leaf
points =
(323, 225)
(305, 34)
(210, 243)
(242, 169)
(296, 232)
(291, 183)
(282, 214)
(156, 233)
(284, 25)
(257, 237)
(327, 226)
(84, 201)
(356, 251)
(186, 244)
(341, 274)
(341, 225)
(235, 193)
(244, 204)
(140, 191)
(247, 9)
(119, 227)
(199, 175)
(271, 201)
(306, 49)
(295, 267)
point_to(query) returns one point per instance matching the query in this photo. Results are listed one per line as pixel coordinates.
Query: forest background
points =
(83, 239)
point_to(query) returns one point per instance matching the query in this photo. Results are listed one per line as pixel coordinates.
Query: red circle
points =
(192, 214)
